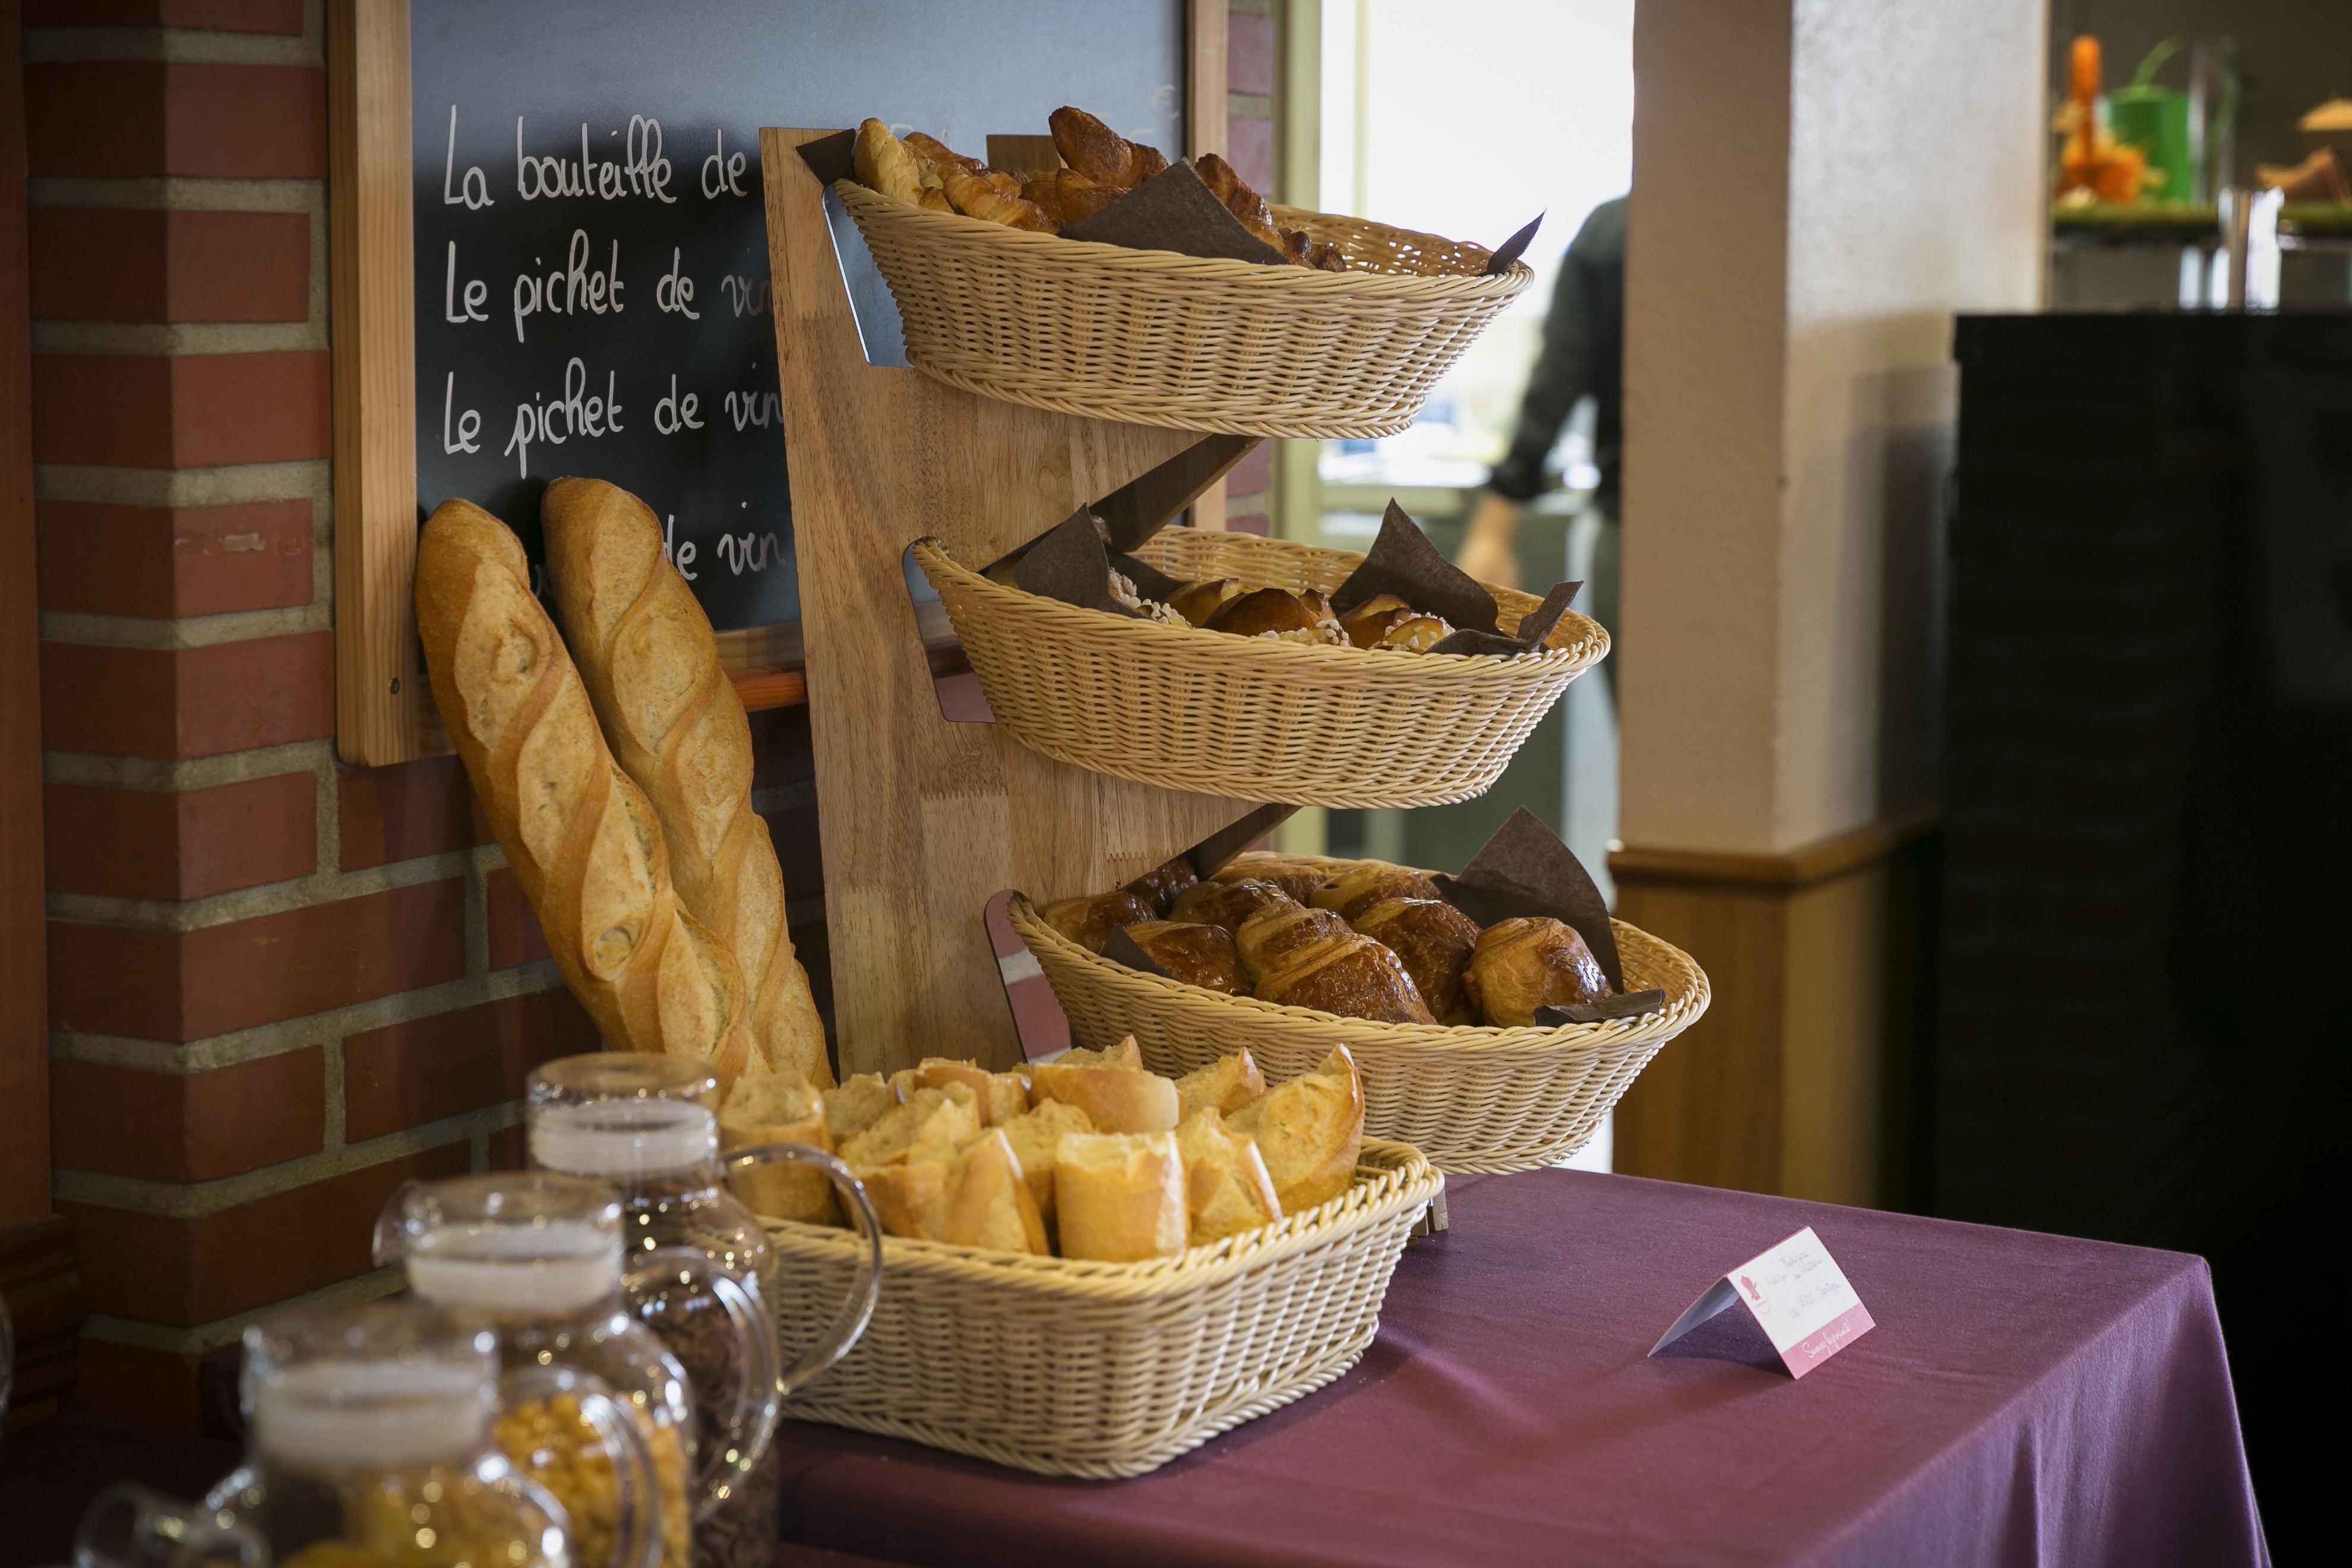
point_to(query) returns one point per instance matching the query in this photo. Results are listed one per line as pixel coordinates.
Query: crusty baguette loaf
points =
(581, 840)
(650, 662)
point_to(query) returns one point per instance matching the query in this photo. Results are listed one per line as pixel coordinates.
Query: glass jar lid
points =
(513, 1242)
(382, 1385)
(623, 1114)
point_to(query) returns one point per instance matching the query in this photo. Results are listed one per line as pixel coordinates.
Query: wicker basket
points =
(1151, 337)
(1254, 718)
(1471, 1098)
(1103, 1370)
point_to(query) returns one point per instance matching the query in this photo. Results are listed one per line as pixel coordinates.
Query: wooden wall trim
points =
(43, 1291)
(382, 712)
(24, 967)
(1799, 867)
(1792, 1081)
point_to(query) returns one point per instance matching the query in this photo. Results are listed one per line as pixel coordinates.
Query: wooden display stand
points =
(923, 820)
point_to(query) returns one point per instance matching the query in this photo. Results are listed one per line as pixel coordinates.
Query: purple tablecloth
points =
(2024, 1399)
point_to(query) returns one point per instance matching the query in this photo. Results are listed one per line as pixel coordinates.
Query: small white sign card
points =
(1797, 1294)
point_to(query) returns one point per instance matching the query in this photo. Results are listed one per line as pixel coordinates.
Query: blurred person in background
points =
(1583, 353)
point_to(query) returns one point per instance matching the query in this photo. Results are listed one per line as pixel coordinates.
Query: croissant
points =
(1415, 633)
(975, 195)
(1434, 941)
(1244, 204)
(1089, 921)
(1047, 197)
(1196, 601)
(934, 158)
(1081, 197)
(1349, 975)
(1100, 153)
(1195, 953)
(1162, 885)
(1294, 874)
(1526, 963)
(882, 163)
(1354, 890)
(1363, 624)
(1220, 902)
(1277, 612)
(1269, 939)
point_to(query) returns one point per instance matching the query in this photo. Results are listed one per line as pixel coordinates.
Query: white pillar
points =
(1818, 186)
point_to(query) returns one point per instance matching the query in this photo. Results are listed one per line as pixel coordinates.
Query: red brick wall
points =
(277, 986)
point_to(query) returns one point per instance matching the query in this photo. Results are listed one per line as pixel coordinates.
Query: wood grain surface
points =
(384, 712)
(922, 819)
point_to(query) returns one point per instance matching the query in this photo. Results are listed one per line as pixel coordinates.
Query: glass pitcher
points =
(369, 1446)
(647, 1124)
(540, 1257)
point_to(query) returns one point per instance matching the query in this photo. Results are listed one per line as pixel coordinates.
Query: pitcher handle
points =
(128, 1526)
(751, 1411)
(865, 1277)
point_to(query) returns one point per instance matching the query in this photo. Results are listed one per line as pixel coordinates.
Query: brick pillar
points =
(278, 986)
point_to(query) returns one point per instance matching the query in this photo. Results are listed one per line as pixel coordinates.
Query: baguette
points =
(582, 840)
(1120, 1198)
(1310, 1131)
(1115, 1098)
(1226, 1188)
(992, 1205)
(778, 1108)
(650, 662)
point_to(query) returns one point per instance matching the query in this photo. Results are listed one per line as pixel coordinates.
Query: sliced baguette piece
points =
(1227, 1190)
(1035, 1137)
(1126, 1054)
(858, 1103)
(1115, 1098)
(1225, 1086)
(778, 1108)
(1002, 1096)
(911, 1196)
(650, 663)
(940, 1121)
(1119, 1197)
(1311, 1131)
(582, 840)
(992, 1205)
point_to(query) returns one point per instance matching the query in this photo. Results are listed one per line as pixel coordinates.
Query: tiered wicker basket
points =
(1151, 337)
(1103, 1370)
(1254, 718)
(1471, 1099)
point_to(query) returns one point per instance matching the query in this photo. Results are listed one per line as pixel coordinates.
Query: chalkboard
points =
(591, 282)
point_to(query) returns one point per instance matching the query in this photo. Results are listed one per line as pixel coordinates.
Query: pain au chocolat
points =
(1526, 963)
(1434, 941)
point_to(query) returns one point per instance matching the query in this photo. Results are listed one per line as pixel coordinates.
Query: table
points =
(2024, 1399)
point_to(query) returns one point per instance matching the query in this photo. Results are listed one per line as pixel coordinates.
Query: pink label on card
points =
(1797, 1294)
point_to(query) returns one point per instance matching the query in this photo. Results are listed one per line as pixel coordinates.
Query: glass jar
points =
(539, 1256)
(369, 1446)
(647, 1125)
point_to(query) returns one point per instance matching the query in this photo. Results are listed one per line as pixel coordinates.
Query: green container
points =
(2161, 123)
(2156, 121)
